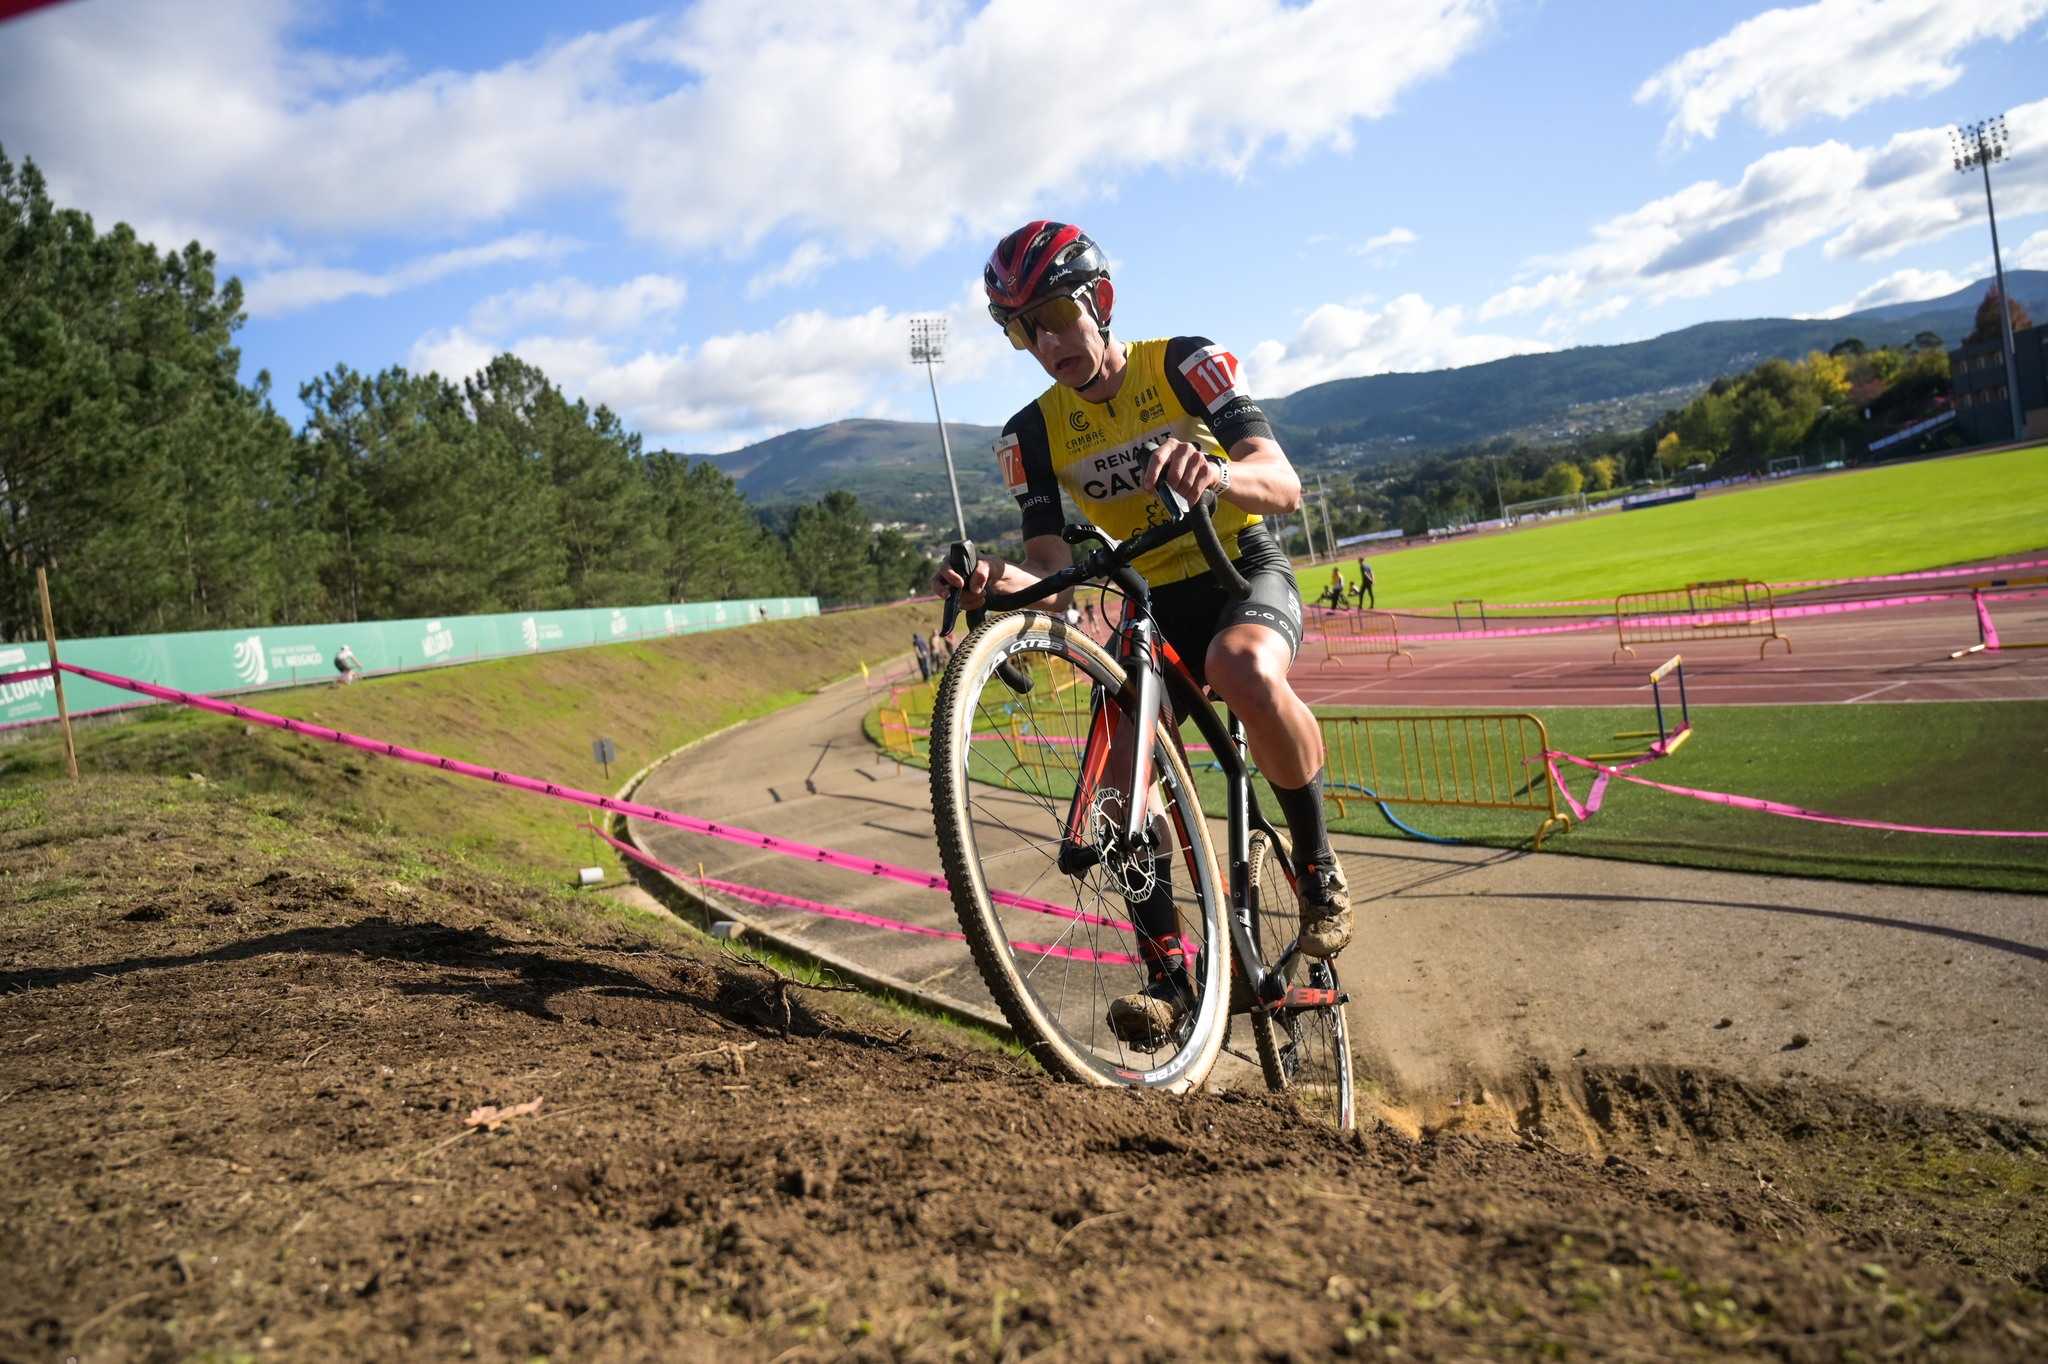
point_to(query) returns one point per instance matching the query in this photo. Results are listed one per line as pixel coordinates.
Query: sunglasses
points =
(1054, 314)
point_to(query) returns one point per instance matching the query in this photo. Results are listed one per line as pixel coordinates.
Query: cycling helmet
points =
(1037, 261)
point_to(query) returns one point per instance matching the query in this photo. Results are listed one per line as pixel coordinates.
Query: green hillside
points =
(1412, 412)
(895, 468)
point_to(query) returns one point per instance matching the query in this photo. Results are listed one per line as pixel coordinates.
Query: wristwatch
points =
(1222, 473)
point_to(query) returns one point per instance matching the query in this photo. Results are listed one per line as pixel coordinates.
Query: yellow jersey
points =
(1185, 386)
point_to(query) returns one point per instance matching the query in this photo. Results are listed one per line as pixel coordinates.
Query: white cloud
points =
(2032, 254)
(803, 264)
(1548, 292)
(809, 367)
(892, 125)
(625, 307)
(1901, 286)
(1384, 242)
(1600, 312)
(305, 286)
(454, 354)
(1346, 341)
(1857, 203)
(1828, 59)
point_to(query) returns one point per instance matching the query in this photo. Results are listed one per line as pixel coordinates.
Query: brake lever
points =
(961, 558)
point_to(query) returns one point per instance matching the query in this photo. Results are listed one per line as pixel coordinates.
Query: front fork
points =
(1078, 851)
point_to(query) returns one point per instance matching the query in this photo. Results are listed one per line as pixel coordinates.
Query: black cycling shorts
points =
(1192, 612)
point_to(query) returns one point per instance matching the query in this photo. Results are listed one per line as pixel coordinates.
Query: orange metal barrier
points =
(1735, 608)
(1470, 761)
(1363, 633)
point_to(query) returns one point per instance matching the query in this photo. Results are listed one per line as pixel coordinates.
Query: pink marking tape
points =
(776, 900)
(730, 833)
(1985, 629)
(1832, 608)
(1916, 577)
(1920, 576)
(1769, 807)
(25, 675)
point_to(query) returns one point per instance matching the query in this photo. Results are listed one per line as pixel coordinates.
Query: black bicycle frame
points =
(1148, 660)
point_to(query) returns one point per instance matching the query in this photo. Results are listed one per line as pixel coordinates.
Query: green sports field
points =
(1884, 520)
(1965, 764)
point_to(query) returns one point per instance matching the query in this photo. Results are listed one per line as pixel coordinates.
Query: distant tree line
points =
(162, 493)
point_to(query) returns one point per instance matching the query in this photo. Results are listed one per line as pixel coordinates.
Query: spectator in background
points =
(1365, 593)
(924, 655)
(346, 663)
(1333, 596)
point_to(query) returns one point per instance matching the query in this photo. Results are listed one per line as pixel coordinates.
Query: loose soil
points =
(242, 1043)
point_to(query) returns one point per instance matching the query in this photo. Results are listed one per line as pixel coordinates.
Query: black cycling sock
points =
(1303, 807)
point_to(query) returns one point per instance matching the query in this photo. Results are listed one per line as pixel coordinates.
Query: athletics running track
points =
(1897, 654)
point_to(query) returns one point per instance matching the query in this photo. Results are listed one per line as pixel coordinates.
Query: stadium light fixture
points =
(1975, 146)
(928, 348)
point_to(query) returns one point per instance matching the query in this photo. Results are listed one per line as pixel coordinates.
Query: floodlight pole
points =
(1498, 500)
(928, 348)
(1976, 146)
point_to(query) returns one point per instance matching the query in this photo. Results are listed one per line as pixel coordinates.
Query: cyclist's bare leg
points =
(1247, 666)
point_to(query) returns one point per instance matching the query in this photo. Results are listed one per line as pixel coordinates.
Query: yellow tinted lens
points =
(1058, 314)
(1055, 314)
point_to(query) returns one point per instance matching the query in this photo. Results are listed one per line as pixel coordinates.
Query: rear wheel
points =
(1305, 1053)
(1049, 918)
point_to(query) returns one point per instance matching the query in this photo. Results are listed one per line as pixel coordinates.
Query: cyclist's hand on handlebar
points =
(974, 587)
(1183, 467)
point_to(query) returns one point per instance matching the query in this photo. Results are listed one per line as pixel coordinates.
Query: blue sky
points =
(717, 218)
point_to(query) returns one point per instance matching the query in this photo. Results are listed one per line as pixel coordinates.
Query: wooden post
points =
(56, 677)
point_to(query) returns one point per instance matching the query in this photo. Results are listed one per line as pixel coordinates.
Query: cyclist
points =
(1049, 289)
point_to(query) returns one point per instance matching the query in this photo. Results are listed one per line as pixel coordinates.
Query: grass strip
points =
(1960, 764)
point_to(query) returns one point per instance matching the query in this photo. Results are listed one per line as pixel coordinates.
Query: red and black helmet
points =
(1035, 262)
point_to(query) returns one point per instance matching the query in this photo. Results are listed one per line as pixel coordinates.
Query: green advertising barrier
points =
(213, 662)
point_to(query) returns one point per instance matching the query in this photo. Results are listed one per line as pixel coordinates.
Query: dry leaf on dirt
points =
(490, 1117)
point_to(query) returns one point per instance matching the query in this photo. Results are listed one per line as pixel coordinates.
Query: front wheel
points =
(1305, 1053)
(1028, 815)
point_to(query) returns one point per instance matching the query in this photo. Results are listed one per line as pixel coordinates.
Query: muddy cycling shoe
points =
(1147, 1017)
(1325, 910)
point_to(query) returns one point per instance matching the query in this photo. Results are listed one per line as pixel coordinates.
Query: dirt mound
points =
(265, 1093)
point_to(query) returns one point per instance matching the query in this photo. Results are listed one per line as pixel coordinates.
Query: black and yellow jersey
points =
(1185, 386)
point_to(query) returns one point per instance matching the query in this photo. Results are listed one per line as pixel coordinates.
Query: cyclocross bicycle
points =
(1039, 737)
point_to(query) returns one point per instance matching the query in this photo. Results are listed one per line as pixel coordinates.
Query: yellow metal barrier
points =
(1364, 633)
(1739, 608)
(1469, 761)
(893, 725)
(1669, 741)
